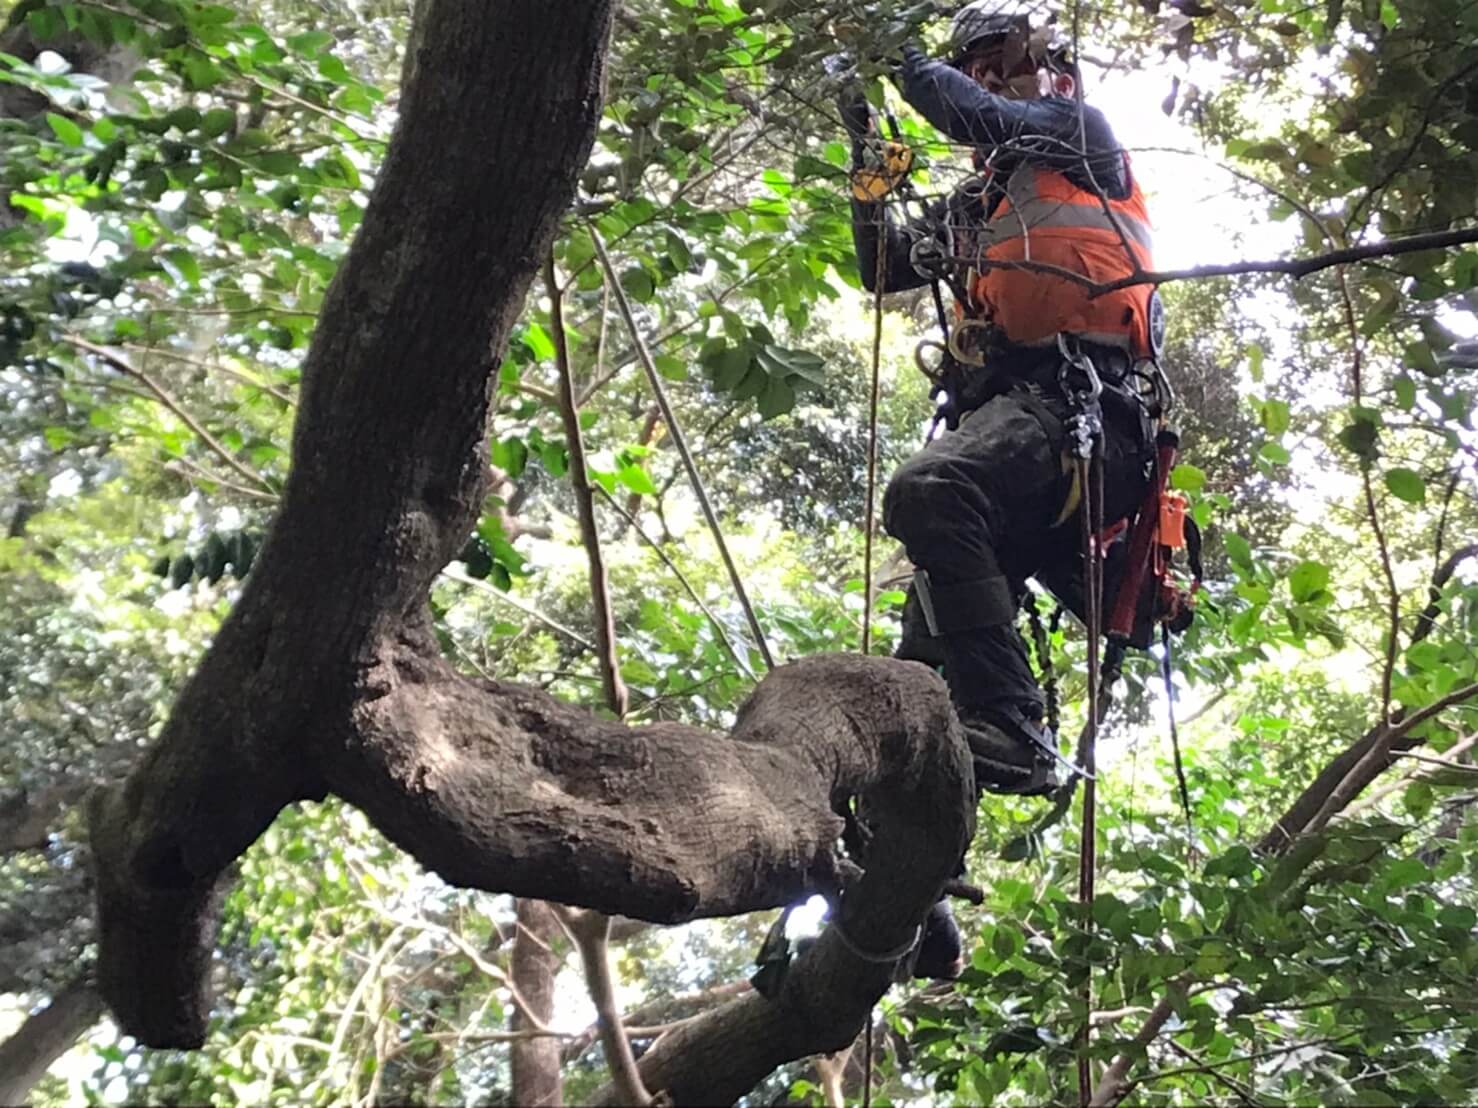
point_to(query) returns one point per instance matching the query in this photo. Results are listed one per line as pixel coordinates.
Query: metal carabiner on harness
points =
(968, 350)
(1082, 388)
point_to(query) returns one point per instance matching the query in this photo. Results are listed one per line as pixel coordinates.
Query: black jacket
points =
(1055, 132)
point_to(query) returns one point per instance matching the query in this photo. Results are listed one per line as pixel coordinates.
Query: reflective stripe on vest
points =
(1046, 218)
(1043, 201)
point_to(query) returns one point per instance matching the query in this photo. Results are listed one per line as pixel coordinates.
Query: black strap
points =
(965, 605)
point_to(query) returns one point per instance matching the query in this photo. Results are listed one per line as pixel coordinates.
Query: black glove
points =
(851, 97)
(910, 58)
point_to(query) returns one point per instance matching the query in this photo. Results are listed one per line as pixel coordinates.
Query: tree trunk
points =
(326, 676)
(44, 1037)
(536, 1062)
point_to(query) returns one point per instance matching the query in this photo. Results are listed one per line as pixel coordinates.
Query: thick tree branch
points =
(1115, 1085)
(44, 1037)
(591, 933)
(535, 1060)
(1348, 774)
(326, 676)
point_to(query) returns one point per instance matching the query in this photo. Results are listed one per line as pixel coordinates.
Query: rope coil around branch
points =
(887, 957)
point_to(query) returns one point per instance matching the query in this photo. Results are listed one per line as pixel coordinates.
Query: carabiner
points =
(1074, 358)
(959, 350)
(935, 373)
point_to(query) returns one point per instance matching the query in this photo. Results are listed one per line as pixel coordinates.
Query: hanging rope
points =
(1090, 474)
(879, 272)
(679, 440)
(1166, 670)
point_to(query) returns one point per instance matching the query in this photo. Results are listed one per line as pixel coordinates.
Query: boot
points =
(1013, 753)
(941, 953)
(999, 706)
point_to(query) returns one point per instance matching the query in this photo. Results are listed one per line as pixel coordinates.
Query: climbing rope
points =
(1167, 671)
(1091, 473)
(879, 272)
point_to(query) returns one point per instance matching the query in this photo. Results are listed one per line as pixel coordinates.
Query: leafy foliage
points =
(176, 193)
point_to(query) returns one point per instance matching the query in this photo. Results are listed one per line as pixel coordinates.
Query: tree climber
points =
(994, 501)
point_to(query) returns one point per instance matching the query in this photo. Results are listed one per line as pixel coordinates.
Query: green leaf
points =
(539, 343)
(673, 368)
(638, 284)
(64, 129)
(1274, 452)
(1406, 484)
(777, 399)
(1238, 548)
(730, 366)
(1275, 416)
(754, 383)
(1360, 437)
(638, 480)
(510, 455)
(1254, 354)
(1405, 389)
(1188, 477)
(310, 43)
(1458, 916)
(216, 122)
(1307, 580)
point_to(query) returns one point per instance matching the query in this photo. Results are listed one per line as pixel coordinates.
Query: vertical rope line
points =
(1167, 669)
(1091, 476)
(879, 272)
(867, 1065)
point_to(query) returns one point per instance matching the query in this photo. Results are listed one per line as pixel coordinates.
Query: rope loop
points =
(887, 958)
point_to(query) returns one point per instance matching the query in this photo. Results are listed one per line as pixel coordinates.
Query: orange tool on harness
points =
(1160, 527)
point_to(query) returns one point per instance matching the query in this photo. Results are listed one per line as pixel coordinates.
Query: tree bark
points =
(326, 676)
(44, 1037)
(535, 1062)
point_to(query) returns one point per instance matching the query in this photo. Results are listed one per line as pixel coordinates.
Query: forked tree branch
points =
(327, 677)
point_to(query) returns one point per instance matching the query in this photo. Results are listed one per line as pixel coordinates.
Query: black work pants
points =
(986, 499)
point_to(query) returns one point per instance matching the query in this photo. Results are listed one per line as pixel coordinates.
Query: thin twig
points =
(1372, 511)
(1410, 777)
(682, 579)
(680, 442)
(1427, 620)
(1292, 267)
(600, 585)
(214, 367)
(123, 365)
(513, 602)
(187, 469)
(1380, 752)
(1443, 763)
(874, 396)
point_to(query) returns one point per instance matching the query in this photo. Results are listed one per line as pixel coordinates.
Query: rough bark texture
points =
(326, 678)
(44, 1037)
(535, 1063)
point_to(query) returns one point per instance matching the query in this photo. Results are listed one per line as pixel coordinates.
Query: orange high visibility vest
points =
(1044, 217)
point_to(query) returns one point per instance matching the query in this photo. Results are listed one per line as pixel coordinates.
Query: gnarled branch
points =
(326, 677)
